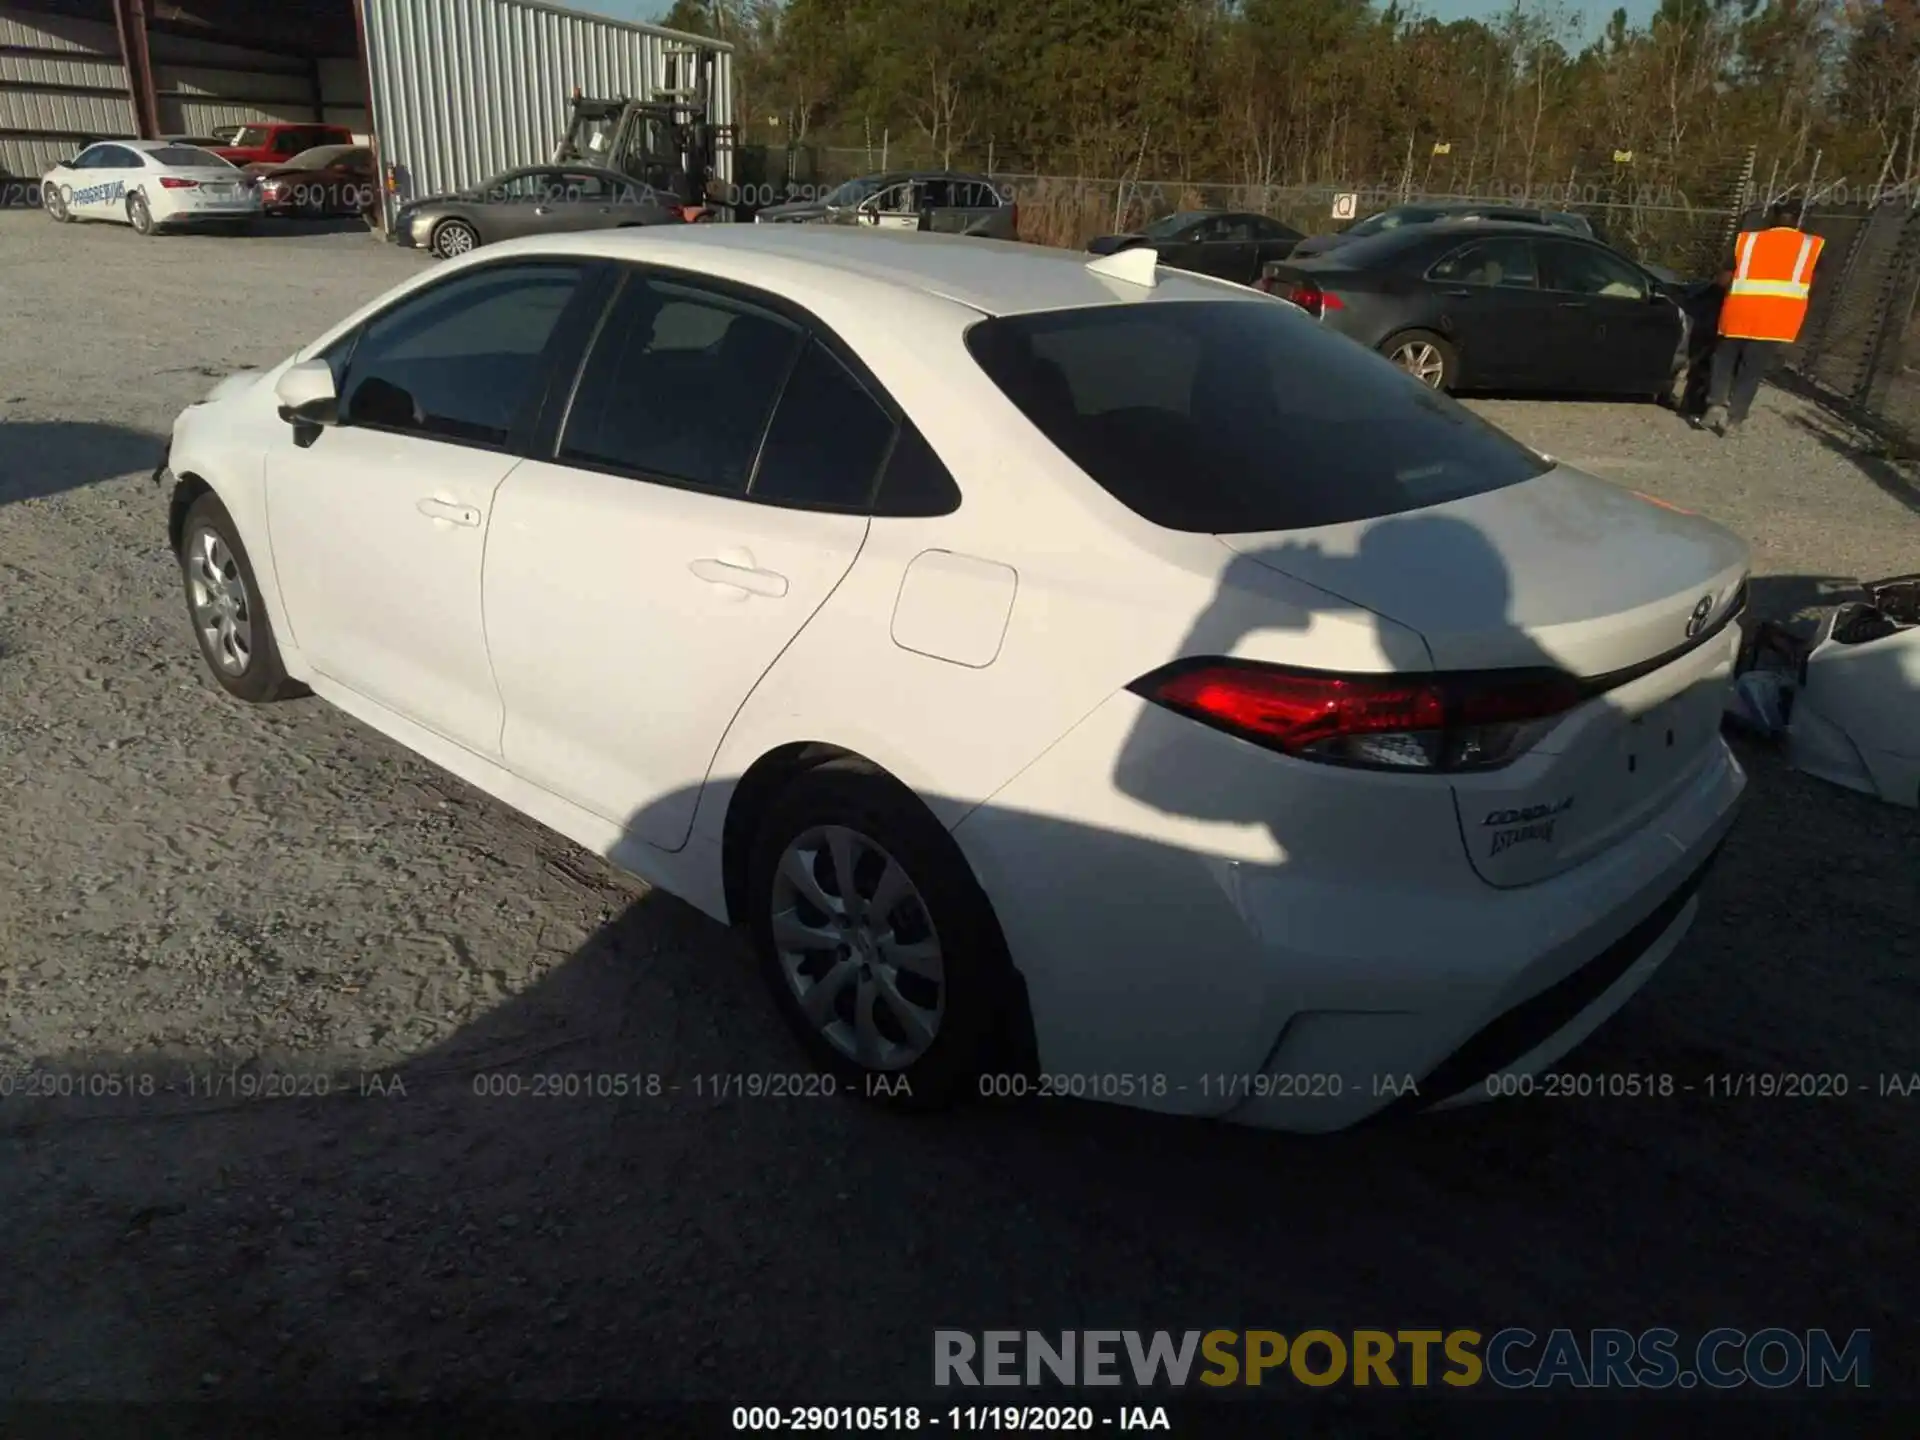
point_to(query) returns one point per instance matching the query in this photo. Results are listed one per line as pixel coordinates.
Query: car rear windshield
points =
(188, 156)
(1225, 417)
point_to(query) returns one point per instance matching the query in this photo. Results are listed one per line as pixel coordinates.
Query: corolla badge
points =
(1697, 621)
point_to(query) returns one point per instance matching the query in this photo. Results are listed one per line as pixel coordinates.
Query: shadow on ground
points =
(45, 457)
(1869, 453)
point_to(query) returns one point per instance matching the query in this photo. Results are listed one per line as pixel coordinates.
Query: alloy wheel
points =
(858, 948)
(453, 239)
(222, 610)
(1420, 359)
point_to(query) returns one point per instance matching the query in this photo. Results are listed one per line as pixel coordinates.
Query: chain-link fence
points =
(1858, 343)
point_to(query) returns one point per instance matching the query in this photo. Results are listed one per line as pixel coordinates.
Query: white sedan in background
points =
(1079, 678)
(152, 185)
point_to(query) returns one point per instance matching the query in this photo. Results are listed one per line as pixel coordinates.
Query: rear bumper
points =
(1357, 965)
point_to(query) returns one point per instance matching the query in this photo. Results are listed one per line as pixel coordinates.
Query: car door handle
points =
(1461, 294)
(741, 577)
(447, 510)
(1573, 304)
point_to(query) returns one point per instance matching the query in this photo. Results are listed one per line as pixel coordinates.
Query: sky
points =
(1593, 13)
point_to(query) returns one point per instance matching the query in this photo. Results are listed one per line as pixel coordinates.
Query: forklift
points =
(669, 143)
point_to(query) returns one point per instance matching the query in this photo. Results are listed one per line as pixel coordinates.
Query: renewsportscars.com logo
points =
(1512, 1359)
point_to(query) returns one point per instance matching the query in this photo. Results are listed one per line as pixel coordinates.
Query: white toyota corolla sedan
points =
(152, 185)
(1080, 678)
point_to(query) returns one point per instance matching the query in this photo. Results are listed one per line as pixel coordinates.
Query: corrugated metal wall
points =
(70, 85)
(463, 89)
(62, 81)
(199, 85)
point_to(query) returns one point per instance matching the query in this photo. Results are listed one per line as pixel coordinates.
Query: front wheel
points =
(236, 638)
(1425, 356)
(880, 949)
(453, 238)
(54, 197)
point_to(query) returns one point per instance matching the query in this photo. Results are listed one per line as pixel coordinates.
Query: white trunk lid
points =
(1568, 572)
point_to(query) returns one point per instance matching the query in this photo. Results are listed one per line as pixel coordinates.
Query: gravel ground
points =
(188, 885)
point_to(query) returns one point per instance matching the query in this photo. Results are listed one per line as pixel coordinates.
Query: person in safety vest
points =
(1765, 304)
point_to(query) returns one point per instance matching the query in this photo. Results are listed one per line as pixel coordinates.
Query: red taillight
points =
(1399, 722)
(1312, 299)
(174, 182)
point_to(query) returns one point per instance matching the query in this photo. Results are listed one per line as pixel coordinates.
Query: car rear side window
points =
(462, 360)
(189, 156)
(1229, 417)
(679, 386)
(827, 441)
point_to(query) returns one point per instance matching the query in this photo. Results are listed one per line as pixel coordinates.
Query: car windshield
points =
(853, 192)
(1229, 417)
(188, 156)
(1168, 226)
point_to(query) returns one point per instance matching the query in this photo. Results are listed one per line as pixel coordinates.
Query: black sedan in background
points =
(538, 200)
(1229, 244)
(1500, 307)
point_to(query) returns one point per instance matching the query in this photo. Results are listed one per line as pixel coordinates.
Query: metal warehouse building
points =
(449, 91)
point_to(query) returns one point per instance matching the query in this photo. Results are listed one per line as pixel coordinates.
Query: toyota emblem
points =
(1697, 621)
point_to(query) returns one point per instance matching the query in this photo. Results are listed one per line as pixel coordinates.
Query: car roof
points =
(1499, 227)
(994, 277)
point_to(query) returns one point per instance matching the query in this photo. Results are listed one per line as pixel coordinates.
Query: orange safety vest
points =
(1772, 276)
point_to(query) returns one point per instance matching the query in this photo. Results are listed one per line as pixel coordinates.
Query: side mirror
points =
(306, 394)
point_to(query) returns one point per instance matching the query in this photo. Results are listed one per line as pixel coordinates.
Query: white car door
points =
(640, 583)
(99, 183)
(379, 523)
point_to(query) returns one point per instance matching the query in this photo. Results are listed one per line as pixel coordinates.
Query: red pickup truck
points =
(276, 143)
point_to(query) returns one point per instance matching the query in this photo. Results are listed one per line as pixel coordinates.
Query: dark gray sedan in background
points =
(1503, 306)
(535, 200)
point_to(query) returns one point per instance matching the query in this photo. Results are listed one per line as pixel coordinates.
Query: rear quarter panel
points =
(1101, 598)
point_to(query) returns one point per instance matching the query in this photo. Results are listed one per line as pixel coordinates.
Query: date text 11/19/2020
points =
(963, 1419)
(20, 195)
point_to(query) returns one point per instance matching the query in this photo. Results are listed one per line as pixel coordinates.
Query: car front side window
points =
(462, 361)
(1588, 270)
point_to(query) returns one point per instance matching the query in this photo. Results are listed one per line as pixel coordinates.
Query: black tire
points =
(1409, 342)
(139, 216)
(452, 239)
(54, 198)
(261, 678)
(974, 988)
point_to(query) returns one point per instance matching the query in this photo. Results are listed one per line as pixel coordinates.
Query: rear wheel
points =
(139, 216)
(1425, 356)
(877, 943)
(453, 238)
